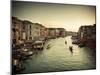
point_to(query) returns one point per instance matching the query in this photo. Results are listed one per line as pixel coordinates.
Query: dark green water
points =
(59, 58)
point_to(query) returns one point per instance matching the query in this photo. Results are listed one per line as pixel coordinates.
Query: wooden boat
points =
(81, 45)
(38, 45)
(48, 46)
(17, 66)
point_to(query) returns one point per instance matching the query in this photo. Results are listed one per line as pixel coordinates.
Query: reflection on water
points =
(59, 58)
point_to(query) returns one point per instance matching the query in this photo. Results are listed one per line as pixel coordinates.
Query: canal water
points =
(58, 57)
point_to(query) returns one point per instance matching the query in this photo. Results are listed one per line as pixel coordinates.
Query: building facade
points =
(16, 30)
(27, 30)
(87, 35)
(24, 30)
(56, 32)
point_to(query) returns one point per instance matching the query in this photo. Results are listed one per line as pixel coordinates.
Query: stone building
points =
(87, 35)
(60, 32)
(16, 30)
(51, 33)
(36, 30)
(27, 30)
(56, 32)
(43, 33)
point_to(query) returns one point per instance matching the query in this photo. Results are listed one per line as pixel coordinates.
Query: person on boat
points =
(71, 49)
(65, 42)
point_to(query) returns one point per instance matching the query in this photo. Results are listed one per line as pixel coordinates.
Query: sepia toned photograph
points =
(52, 37)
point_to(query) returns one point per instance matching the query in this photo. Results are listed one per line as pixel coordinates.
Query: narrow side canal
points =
(59, 58)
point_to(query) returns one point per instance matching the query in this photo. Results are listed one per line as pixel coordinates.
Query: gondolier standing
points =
(65, 42)
(71, 49)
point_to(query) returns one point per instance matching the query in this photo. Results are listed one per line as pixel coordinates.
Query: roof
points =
(28, 22)
(15, 18)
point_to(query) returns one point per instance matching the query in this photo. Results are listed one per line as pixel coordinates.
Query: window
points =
(30, 26)
(30, 32)
(23, 27)
(37, 28)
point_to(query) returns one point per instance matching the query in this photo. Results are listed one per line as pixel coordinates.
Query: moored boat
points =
(38, 45)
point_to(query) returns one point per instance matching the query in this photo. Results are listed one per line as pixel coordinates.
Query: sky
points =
(67, 16)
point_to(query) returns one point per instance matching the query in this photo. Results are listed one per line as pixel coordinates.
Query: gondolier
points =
(71, 49)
